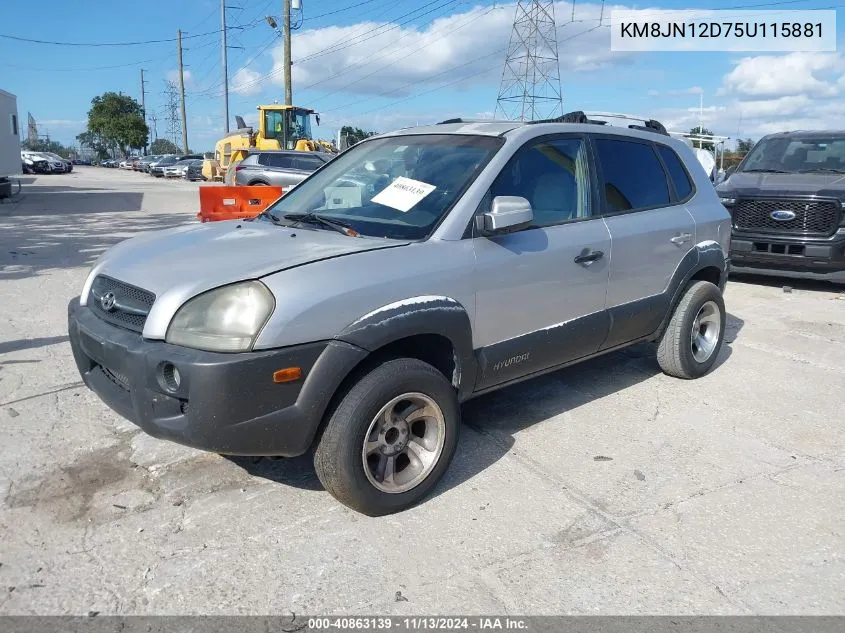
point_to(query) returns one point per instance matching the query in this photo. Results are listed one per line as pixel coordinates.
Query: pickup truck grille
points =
(125, 306)
(812, 217)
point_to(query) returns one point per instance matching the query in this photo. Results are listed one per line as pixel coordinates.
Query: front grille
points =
(812, 217)
(131, 304)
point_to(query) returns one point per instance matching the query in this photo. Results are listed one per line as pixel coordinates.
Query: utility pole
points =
(143, 106)
(182, 94)
(288, 84)
(225, 67)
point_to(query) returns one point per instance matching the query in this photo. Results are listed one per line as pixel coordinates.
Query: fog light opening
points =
(170, 377)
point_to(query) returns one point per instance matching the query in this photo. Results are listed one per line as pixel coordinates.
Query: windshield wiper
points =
(825, 169)
(314, 218)
(769, 171)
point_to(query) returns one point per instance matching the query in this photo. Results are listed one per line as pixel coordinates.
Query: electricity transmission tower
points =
(530, 87)
(171, 110)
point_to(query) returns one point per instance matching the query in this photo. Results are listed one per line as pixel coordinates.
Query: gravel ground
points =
(606, 488)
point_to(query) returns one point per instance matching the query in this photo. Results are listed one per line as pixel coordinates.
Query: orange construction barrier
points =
(235, 203)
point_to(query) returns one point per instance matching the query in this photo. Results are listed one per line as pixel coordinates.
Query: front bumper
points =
(225, 403)
(789, 256)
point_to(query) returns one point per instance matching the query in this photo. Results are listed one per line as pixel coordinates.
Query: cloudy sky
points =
(383, 64)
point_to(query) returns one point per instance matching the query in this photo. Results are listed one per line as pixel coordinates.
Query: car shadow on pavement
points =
(290, 471)
(498, 416)
(31, 343)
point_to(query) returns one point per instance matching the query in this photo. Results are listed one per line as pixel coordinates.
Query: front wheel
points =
(692, 340)
(390, 438)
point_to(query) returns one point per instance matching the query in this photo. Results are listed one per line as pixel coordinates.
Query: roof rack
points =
(463, 120)
(578, 116)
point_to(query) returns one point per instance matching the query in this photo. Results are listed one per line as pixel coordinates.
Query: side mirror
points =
(317, 118)
(506, 212)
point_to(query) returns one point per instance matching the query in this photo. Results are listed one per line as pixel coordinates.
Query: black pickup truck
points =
(787, 201)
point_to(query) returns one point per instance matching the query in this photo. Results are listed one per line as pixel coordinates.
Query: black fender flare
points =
(707, 254)
(428, 314)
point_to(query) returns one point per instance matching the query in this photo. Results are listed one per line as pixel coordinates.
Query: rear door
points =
(283, 170)
(651, 230)
(540, 291)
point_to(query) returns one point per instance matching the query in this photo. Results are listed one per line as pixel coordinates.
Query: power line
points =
(348, 41)
(163, 41)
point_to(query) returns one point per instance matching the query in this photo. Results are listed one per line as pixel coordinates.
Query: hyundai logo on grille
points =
(782, 215)
(107, 301)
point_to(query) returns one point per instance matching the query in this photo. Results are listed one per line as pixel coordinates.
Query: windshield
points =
(397, 187)
(167, 160)
(793, 155)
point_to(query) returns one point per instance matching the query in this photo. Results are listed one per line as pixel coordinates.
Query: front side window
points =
(632, 174)
(308, 163)
(397, 187)
(797, 155)
(553, 175)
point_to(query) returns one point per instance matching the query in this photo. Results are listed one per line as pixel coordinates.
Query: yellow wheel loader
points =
(279, 127)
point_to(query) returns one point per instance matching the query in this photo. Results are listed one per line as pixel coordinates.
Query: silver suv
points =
(414, 271)
(279, 168)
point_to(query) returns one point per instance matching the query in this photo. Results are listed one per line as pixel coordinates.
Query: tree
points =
(94, 142)
(744, 145)
(164, 146)
(117, 121)
(45, 145)
(354, 134)
(703, 131)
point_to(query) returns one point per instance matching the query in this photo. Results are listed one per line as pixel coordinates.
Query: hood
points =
(784, 185)
(197, 257)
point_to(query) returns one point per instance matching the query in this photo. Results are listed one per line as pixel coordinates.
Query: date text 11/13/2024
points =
(417, 623)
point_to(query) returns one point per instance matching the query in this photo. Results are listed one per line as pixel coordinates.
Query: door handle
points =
(587, 257)
(681, 238)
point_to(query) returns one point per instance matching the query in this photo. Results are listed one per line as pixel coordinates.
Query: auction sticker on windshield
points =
(403, 193)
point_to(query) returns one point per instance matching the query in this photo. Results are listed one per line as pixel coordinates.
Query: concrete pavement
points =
(606, 488)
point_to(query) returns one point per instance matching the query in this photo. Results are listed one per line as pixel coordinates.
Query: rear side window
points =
(680, 179)
(308, 163)
(280, 160)
(633, 176)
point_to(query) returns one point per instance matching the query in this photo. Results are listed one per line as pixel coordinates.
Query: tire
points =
(700, 311)
(407, 388)
(258, 183)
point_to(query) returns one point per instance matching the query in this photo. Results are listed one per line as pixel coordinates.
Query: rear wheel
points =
(692, 340)
(390, 438)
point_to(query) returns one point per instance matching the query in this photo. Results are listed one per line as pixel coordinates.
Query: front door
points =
(651, 229)
(536, 306)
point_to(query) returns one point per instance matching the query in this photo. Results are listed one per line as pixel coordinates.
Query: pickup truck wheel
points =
(390, 438)
(690, 345)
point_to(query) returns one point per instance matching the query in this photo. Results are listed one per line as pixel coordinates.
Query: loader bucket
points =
(235, 203)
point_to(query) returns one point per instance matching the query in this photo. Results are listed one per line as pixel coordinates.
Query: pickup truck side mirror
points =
(506, 212)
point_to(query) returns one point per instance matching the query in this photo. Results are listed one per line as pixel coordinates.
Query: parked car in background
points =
(60, 165)
(361, 309)
(144, 163)
(157, 166)
(280, 168)
(34, 163)
(178, 169)
(787, 204)
(194, 171)
(190, 157)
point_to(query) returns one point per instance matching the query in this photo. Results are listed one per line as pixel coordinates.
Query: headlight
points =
(727, 201)
(227, 319)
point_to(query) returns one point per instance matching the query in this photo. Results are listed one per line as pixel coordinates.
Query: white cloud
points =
(173, 75)
(246, 82)
(784, 75)
(395, 61)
